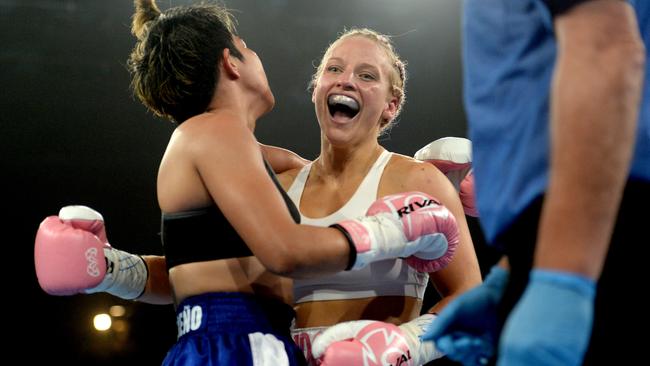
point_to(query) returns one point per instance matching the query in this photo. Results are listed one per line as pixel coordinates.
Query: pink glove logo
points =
(423, 216)
(91, 256)
(370, 343)
(67, 260)
(407, 203)
(385, 343)
(404, 204)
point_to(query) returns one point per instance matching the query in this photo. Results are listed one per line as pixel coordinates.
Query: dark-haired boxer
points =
(221, 204)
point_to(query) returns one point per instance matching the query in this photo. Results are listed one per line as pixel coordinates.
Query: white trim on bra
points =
(392, 277)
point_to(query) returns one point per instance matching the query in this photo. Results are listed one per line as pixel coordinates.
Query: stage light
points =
(102, 322)
(117, 311)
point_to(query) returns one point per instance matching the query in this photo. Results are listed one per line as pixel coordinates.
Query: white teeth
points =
(343, 99)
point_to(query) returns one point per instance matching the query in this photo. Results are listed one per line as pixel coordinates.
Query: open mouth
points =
(342, 106)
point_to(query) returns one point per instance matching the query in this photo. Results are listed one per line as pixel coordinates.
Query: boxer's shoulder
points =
(406, 173)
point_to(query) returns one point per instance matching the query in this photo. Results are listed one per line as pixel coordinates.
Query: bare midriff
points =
(245, 275)
(392, 309)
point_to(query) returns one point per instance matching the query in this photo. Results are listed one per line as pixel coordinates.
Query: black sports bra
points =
(205, 234)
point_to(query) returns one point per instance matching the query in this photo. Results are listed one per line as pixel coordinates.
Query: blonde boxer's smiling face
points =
(352, 96)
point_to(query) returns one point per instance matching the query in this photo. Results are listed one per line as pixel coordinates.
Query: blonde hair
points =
(398, 70)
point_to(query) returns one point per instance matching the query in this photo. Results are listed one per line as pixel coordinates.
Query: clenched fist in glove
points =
(369, 342)
(453, 156)
(410, 225)
(72, 255)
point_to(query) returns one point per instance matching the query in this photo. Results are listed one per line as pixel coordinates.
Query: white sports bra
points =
(392, 277)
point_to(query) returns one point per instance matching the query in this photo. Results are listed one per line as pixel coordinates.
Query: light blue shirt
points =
(509, 53)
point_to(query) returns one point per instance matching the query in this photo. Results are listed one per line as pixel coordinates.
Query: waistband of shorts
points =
(232, 312)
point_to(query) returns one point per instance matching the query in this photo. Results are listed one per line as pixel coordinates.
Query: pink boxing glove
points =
(453, 157)
(467, 195)
(68, 260)
(85, 218)
(410, 225)
(441, 227)
(369, 342)
(72, 255)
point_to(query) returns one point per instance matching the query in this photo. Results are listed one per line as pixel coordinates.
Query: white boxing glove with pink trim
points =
(411, 225)
(369, 342)
(453, 156)
(72, 255)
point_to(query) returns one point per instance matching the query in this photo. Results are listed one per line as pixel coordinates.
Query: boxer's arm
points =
(227, 159)
(463, 273)
(281, 159)
(157, 290)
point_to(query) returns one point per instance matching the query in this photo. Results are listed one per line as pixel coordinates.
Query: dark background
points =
(73, 134)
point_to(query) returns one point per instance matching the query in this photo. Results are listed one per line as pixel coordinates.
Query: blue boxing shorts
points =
(234, 329)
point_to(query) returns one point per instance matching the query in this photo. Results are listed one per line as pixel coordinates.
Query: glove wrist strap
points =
(352, 257)
(126, 275)
(422, 351)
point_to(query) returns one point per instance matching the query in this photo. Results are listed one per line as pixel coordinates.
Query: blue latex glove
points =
(467, 329)
(551, 324)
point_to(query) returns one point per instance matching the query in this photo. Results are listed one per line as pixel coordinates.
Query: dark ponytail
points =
(175, 63)
(145, 12)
